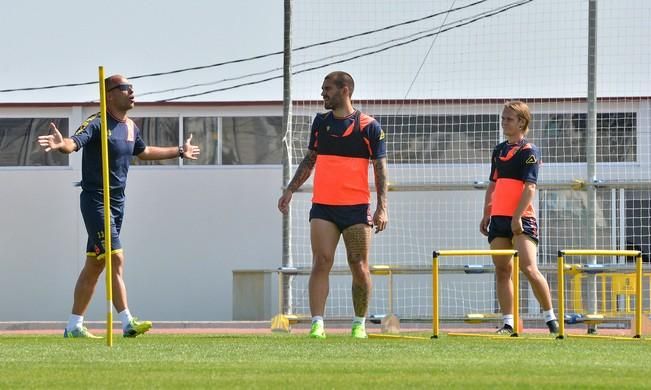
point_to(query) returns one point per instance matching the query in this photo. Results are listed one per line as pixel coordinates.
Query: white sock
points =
(317, 319)
(549, 315)
(75, 322)
(508, 319)
(125, 317)
(359, 320)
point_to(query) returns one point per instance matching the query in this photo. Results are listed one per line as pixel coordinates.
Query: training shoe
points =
(553, 326)
(317, 331)
(79, 333)
(506, 330)
(358, 331)
(136, 328)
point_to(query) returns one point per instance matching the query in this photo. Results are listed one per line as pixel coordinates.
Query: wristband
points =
(180, 151)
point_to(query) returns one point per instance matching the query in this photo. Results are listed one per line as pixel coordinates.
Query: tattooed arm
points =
(303, 172)
(380, 218)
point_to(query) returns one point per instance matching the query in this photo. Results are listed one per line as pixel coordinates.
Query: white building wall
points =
(185, 230)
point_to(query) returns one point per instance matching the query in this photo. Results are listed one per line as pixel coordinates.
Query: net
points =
(436, 76)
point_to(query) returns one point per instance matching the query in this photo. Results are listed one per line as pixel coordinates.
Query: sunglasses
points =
(122, 87)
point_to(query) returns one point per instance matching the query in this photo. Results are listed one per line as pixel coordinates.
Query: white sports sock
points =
(359, 320)
(317, 319)
(75, 322)
(549, 315)
(508, 319)
(125, 317)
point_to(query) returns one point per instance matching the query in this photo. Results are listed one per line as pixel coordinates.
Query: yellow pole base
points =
(280, 323)
(283, 323)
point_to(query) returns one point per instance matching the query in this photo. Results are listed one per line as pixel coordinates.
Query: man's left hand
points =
(380, 220)
(190, 151)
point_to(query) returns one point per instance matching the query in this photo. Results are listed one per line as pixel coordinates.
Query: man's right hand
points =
(52, 141)
(283, 202)
(483, 225)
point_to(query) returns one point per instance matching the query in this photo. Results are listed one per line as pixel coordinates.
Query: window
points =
(440, 139)
(561, 137)
(158, 132)
(252, 140)
(205, 131)
(19, 146)
(243, 140)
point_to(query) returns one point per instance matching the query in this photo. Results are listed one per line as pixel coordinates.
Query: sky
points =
(51, 42)
(536, 49)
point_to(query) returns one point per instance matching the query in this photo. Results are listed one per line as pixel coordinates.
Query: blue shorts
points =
(501, 227)
(342, 216)
(92, 210)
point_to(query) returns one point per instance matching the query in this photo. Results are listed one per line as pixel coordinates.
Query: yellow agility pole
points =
(561, 295)
(638, 296)
(516, 295)
(107, 211)
(435, 295)
(469, 252)
(599, 252)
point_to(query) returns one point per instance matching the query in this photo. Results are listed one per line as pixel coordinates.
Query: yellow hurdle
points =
(472, 252)
(597, 252)
(107, 211)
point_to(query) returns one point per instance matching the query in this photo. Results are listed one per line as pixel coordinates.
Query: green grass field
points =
(294, 361)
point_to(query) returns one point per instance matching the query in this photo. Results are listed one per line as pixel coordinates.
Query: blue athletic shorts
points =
(342, 216)
(501, 227)
(92, 210)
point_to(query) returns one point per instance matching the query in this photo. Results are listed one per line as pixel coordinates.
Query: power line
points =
(356, 50)
(185, 87)
(467, 22)
(209, 83)
(253, 58)
(431, 46)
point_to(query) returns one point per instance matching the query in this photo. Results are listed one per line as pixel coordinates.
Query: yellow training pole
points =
(390, 295)
(600, 252)
(561, 295)
(107, 211)
(435, 296)
(477, 252)
(638, 296)
(516, 295)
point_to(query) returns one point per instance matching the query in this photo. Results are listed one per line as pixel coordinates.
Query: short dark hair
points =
(109, 81)
(342, 79)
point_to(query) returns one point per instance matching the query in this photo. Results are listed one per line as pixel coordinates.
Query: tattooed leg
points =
(358, 242)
